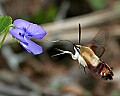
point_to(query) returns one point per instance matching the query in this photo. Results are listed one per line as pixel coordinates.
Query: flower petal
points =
(22, 24)
(16, 33)
(24, 30)
(36, 31)
(31, 29)
(32, 47)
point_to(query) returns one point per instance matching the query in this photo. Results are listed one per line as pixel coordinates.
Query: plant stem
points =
(3, 39)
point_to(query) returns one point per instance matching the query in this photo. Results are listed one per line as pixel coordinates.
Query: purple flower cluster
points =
(25, 30)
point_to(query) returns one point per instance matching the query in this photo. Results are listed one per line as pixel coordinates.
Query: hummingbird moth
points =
(89, 55)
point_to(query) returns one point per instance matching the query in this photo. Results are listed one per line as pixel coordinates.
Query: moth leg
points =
(84, 70)
(62, 52)
(74, 57)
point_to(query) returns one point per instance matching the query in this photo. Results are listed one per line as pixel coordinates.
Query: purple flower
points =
(25, 30)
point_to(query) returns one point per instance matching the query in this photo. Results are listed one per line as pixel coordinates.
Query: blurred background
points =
(23, 74)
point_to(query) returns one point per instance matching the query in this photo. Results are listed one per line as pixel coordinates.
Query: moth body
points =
(94, 63)
(89, 55)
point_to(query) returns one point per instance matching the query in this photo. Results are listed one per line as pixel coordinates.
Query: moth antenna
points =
(79, 38)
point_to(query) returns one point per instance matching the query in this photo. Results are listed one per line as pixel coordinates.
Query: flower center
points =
(26, 33)
(21, 34)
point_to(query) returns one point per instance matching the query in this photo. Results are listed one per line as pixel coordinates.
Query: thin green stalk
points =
(7, 30)
(3, 39)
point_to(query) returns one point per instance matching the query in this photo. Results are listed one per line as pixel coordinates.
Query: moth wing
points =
(98, 43)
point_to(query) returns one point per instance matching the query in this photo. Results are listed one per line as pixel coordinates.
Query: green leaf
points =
(5, 22)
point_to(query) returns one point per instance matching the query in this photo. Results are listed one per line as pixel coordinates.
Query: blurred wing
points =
(98, 50)
(99, 42)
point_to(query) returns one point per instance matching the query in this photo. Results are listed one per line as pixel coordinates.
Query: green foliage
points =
(43, 15)
(97, 4)
(5, 22)
(115, 93)
(117, 5)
